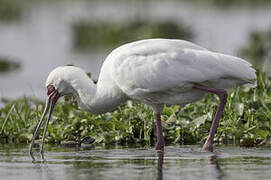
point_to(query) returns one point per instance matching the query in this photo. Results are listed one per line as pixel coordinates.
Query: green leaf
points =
(200, 120)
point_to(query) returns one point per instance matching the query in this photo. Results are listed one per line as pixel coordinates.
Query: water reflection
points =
(43, 169)
(214, 166)
(160, 165)
(186, 162)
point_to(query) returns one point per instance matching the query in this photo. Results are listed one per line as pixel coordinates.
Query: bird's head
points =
(62, 81)
(59, 81)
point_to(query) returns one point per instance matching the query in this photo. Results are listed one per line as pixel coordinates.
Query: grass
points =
(245, 120)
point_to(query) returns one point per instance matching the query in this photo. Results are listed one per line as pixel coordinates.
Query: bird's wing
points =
(160, 71)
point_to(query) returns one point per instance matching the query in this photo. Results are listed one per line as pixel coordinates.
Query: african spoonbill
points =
(156, 72)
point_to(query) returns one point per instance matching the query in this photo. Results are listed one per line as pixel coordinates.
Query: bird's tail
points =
(252, 84)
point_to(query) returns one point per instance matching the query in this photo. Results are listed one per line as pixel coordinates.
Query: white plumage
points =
(159, 71)
(155, 72)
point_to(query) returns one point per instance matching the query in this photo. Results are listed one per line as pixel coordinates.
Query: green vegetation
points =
(258, 49)
(10, 10)
(246, 120)
(7, 65)
(110, 35)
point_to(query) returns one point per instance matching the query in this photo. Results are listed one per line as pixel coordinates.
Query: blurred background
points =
(39, 35)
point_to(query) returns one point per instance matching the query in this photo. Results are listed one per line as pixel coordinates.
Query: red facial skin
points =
(52, 93)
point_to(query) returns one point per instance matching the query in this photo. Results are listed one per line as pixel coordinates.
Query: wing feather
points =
(176, 68)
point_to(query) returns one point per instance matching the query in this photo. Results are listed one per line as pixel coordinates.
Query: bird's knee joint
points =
(223, 95)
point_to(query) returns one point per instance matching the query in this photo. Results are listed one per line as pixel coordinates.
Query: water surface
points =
(178, 162)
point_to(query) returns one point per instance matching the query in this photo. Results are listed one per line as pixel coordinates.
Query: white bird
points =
(156, 72)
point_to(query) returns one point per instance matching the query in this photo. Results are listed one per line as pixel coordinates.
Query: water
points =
(178, 162)
(42, 40)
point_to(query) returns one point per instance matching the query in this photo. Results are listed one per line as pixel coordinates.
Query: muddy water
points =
(178, 162)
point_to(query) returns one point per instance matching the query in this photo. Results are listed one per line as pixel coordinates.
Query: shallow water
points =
(178, 162)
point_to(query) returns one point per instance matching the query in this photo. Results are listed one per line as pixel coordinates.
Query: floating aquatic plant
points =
(10, 10)
(258, 50)
(88, 35)
(7, 65)
(245, 120)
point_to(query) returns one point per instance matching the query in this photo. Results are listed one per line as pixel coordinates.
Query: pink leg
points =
(160, 138)
(222, 94)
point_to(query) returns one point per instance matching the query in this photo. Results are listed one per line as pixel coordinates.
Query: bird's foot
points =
(160, 146)
(208, 147)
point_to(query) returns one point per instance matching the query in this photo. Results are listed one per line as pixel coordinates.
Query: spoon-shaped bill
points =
(38, 127)
(45, 129)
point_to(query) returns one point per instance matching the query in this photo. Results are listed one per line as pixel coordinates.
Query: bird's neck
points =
(99, 98)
